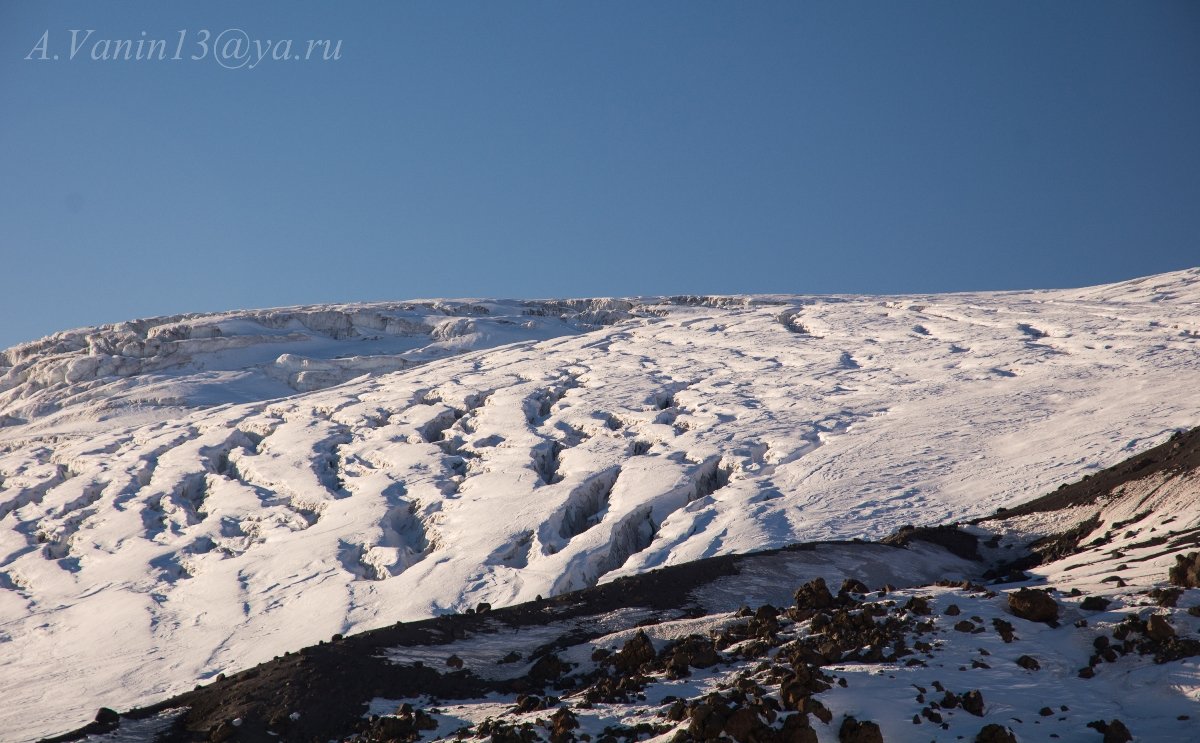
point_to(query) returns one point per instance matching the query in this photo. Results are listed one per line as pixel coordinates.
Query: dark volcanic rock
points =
(691, 652)
(1186, 572)
(406, 725)
(1157, 628)
(743, 724)
(818, 710)
(1113, 731)
(854, 731)
(796, 729)
(1034, 605)
(993, 733)
(223, 732)
(1094, 603)
(547, 668)
(708, 718)
(1029, 663)
(562, 723)
(1166, 597)
(1004, 629)
(634, 654)
(814, 595)
(918, 605)
(972, 702)
(853, 585)
(803, 682)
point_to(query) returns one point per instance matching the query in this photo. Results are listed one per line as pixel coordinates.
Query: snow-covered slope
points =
(169, 515)
(152, 368)
(1098, 639)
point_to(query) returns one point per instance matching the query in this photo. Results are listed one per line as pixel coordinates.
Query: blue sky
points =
(566, 149)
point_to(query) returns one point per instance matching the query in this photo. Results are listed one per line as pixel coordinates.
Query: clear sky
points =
(526, 149)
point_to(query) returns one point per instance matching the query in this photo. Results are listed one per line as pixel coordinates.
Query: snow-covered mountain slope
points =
(1100, 639)
(151, 369)
(167, 516)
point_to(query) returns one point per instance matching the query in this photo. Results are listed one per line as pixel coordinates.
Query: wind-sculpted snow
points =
(170, 515)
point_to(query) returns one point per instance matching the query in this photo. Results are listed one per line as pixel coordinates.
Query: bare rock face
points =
(1036, 606)
(1186, 572)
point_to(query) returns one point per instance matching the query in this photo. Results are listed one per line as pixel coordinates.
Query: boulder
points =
(993, 733)
(635, 653)
(1004, 629)
(562, 723)
(1029, 663)
(547, 668)
(1034, 605)
(1186, 572)
(855, 731)
(222, 732)
(742, 725)
(1114, 731)
(796, 729)
(853, 585)
(694, 651)
(972, 702)
(1157, 628)
(814, 595)
(1094, 603)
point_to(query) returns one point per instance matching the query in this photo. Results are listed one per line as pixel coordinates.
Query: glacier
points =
(186, 496)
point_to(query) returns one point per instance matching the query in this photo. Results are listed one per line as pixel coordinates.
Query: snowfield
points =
(193, 495)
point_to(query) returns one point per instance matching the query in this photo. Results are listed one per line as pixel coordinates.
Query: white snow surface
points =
(191, 495)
